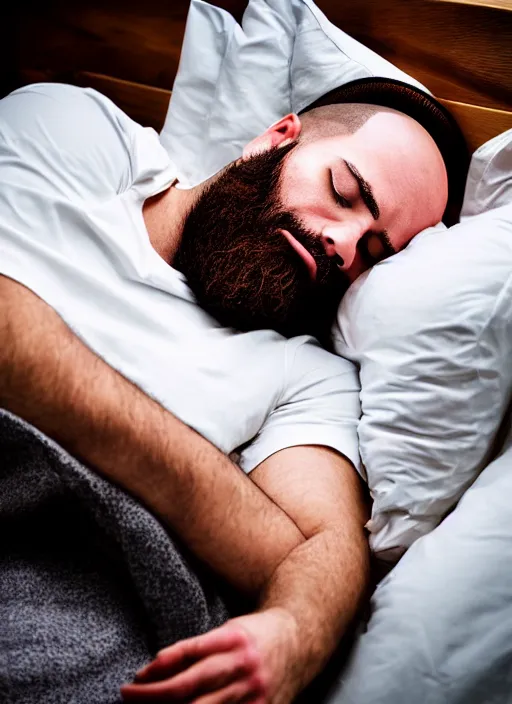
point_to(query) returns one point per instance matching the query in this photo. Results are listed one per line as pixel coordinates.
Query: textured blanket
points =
(91, 584)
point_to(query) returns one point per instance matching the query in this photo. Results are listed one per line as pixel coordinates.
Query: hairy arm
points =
(55, 382)
(321, 583)
(304, 609)
(253, 532)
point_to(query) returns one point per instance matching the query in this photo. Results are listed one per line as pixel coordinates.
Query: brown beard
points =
(242, 270)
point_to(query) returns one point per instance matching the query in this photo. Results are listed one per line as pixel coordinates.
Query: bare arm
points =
(321, 583)
(52, 380)
(305, 608)
(309, 590)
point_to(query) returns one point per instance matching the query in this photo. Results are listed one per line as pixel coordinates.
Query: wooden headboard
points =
(129, 50)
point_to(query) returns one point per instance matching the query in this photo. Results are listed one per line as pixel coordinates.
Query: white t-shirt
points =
(74, 174)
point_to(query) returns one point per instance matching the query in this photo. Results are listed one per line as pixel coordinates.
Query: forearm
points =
(304, 607)
(319, 588)
(52, 380)
(270, 655)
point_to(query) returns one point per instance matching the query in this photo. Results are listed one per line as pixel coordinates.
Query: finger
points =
(208, 675)
(249, 692)
(138, 693)
(244, 691)
(181, 655)
(213, 673)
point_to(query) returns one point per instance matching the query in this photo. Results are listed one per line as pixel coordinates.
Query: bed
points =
(462, 50)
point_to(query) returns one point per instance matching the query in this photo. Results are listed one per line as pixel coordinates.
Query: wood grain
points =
(129, 50)
(460, 50)
(132, 41)
(479, 124)
(137, 40)
(497, 4)
(145, 104)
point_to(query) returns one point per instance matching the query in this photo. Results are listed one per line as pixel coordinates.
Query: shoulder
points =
(77, 139)
(60, 113)
(318, 404)
(308, 362)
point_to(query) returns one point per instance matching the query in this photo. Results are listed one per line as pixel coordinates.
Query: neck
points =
(164, 216)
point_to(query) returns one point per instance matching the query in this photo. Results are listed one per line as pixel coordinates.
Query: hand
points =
(251, 659)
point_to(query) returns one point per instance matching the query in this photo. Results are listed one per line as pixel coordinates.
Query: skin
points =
(394, 155)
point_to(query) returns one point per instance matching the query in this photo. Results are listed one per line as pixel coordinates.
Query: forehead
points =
(387, 137)
(386, 151)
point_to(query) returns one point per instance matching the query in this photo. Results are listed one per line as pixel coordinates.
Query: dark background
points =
(129, 49)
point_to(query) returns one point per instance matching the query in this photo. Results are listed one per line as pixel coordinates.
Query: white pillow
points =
(234, 81)
(431, 329)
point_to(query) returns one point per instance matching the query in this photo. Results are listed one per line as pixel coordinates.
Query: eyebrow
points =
(365, 190)
(386, 242)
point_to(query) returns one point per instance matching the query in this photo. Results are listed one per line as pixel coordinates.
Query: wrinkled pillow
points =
(431, 329)
(234, 81)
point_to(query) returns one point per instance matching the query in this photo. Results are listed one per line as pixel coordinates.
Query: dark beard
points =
(242, 270)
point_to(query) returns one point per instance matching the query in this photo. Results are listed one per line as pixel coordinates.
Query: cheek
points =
(402, 239)
(300, 189)
(418, 208)
(422, 218)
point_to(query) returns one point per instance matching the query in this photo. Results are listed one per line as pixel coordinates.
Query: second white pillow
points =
(431, 329)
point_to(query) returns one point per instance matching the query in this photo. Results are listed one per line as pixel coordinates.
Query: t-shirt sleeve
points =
(319, 405)
(66, 155)
(66, 141)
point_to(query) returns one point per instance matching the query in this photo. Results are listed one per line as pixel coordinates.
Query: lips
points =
(303, 253)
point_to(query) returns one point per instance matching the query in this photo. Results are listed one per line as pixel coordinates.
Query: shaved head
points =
(340, 119)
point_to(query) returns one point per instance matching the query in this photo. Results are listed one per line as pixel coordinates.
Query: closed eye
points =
(338, 197)
(374, 247)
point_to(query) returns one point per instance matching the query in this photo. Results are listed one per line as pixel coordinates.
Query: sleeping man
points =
(103, 346)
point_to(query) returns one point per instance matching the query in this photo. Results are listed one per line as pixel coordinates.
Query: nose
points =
(340, 241)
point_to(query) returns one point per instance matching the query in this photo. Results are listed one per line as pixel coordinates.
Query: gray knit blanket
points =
(91, 584)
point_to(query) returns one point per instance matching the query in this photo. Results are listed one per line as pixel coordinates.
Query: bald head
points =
(366, 179)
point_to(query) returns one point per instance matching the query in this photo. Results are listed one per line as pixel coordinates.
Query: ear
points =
(281, 133)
